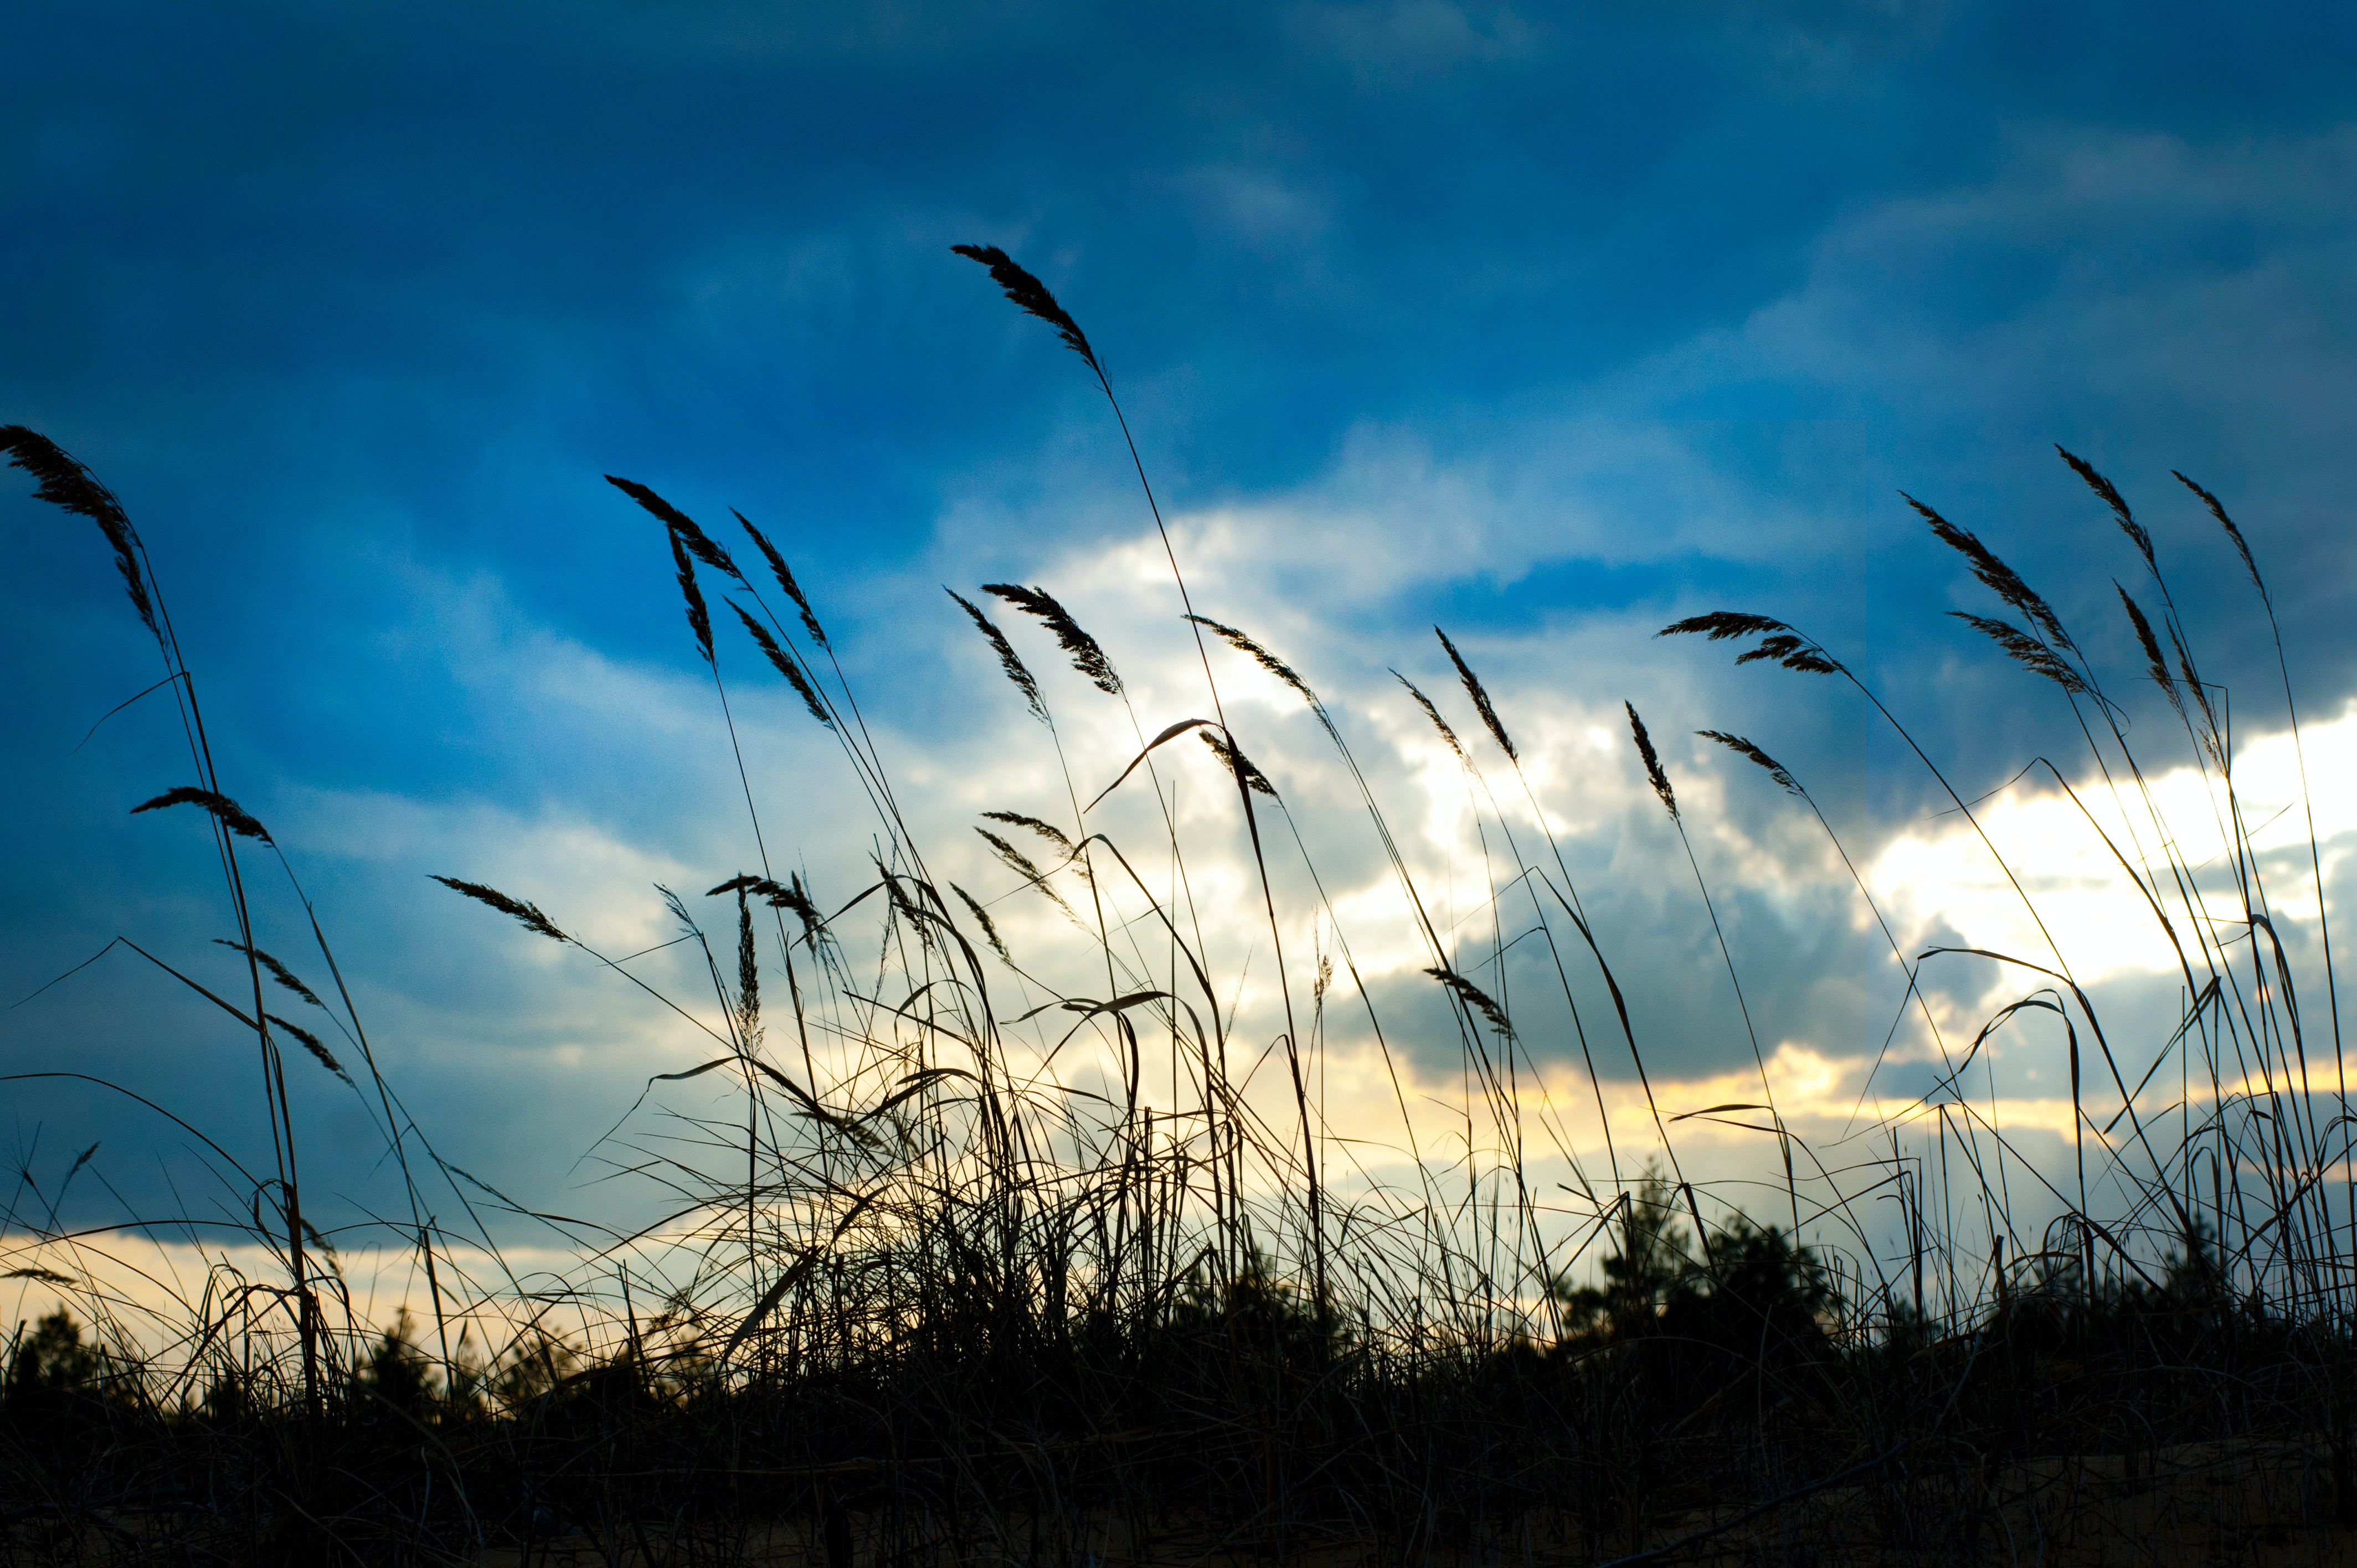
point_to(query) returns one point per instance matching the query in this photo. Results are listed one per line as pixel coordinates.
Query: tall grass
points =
(951, 1277)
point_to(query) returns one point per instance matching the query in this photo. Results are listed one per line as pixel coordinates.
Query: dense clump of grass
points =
(926, 1297)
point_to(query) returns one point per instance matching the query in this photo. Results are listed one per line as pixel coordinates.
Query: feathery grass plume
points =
(2241, 545)
(40, 1276)
(1048, 831)
(1433, 714)
(1008, 659)
(699, 619)
(2025, 649)
(1480, 696)
(226, 811)
(682, 526)
(748, 976)
(1654, 774)
(1033, 297)
(326, 1247)
(1262, 657)
(528, 913)
(1021, 864)
(64, 482)
(1743, 748)
(785, 577)
(2156, 665)
(982, 917)
(1476, 996)
(795, 896)
(1720, 626)
(1247, 771)
(786, 665)
(687, 926)
(701, 545)
(1777, 640)
(311, 1043)
(669, 516)
(2193, 685)
(1088, 657)
(1016, 860)
(2001, 579)
(278, 970)
(2111, 495)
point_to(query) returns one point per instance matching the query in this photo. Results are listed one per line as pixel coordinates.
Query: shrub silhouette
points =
(395, 1371)
(51, 1358)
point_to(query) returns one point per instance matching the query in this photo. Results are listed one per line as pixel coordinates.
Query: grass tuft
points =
(223, 810)
(66, 483)
(528, 913)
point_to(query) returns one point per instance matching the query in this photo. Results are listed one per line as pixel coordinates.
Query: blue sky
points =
(1551, 325)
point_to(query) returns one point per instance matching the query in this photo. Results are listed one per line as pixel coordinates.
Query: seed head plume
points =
(1261, 656)
(1032, 295)
(739, 884)
(1048, 831)
(1247, 773)
(311, 1043)
(1743, 748)
(2194, 688)
(1654, 774)
(2002, 579)
(226, 811)
(1433, 714)
(700, 545)
(2241, 545)
(667, 514)
(278, 972)
(2156, 665)
(2111, 495)
(785, 578)
(682, 527)
(1721, 625)
(1475, 997)
(1480, 697)
(786, 665)
(1777, 640)
(795, 896)
(2024, 651)
(528, 913)
(1021, 864)
(687, 540)
(64, 482)
(1088, 657)
(678, 908)
(749, 977)
(981, 918)
(699, 619)
(1008, 659)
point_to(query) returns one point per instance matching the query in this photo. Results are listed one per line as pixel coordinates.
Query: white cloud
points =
(2061, 850)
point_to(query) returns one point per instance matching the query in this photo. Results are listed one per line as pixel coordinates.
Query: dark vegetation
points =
(945, 1306)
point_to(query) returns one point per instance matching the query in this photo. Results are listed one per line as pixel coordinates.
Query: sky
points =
(1548, 326)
